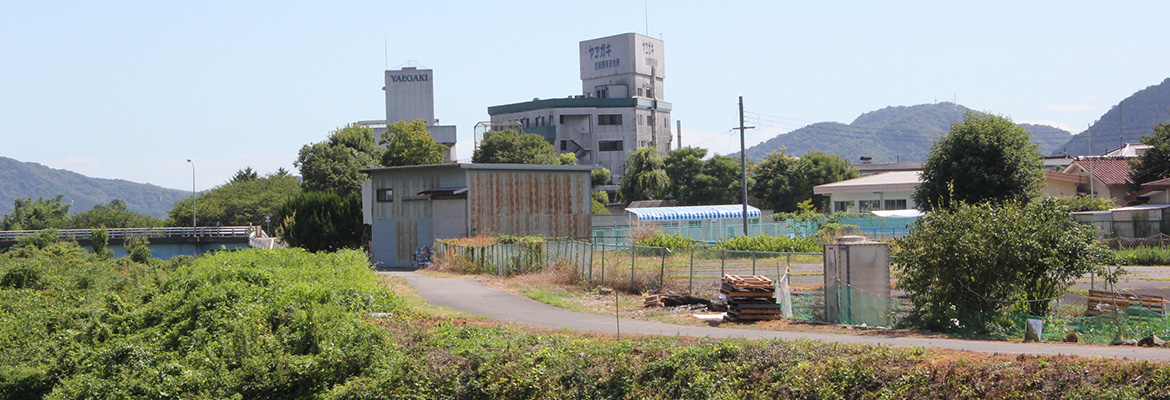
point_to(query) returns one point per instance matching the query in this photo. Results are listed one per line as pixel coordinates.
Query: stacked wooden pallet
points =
(750, 297)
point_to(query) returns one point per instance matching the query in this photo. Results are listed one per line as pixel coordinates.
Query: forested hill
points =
(893, 133)
(1138, 114)
(25, 179)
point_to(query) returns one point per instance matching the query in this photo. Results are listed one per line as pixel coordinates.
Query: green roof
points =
(580, 102)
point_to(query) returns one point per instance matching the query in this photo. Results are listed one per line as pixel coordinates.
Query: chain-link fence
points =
(698, 272)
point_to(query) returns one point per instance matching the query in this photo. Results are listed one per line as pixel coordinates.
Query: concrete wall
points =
(410, 95)
(881, 196)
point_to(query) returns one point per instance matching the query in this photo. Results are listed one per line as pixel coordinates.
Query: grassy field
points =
(287, 324)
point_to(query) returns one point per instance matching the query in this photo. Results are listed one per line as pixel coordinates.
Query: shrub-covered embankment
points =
(289, 324)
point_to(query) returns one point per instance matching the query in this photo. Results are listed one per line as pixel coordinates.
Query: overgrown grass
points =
(777, 244)
(1143, 256)
(288, 324)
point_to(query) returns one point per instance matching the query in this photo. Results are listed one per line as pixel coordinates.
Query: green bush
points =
(971, 263)
(670, 241)
(322, 221)
(776, 244)
(22, 275)
(137, 248)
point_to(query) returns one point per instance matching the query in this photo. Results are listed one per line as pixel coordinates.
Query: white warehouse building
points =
(620, 108)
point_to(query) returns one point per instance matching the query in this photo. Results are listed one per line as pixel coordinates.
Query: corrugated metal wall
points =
(406, 213)
(525, 202)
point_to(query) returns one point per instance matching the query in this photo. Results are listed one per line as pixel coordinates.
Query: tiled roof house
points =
(1109, 176)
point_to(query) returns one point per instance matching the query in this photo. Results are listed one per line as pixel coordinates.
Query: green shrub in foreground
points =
(672, 241)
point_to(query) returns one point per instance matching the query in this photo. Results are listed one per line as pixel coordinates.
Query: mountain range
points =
(905, 133)
(25, 179)
(902, 133)
(1125, 122)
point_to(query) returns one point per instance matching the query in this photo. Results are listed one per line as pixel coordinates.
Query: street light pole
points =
(192, 196)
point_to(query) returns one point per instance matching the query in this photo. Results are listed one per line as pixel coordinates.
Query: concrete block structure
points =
(410, 95)
(619, 110)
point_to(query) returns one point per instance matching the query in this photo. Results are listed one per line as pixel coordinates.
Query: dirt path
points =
(473, 297)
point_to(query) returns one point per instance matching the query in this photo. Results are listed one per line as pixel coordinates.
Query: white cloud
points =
(1070, 107)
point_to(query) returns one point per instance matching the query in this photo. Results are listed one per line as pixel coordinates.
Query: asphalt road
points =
(471, 296)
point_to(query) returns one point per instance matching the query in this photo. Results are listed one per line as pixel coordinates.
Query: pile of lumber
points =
(750, 297)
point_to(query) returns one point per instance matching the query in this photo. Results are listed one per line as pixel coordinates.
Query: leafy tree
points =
(567, 159)
(113, 215)
(600, 199)
(818, 168)
(683, 167)
(99, 241)
(986, 158)
(238, 203)
(971, 262)
(333, 165)
(644, 177)
(321, 221)
(1155, 163)
(512, 147)
(29, 214)
(409, 143)
(138, 249)
(776, 182)
(601, 176)
(694, 181)
(246, 174)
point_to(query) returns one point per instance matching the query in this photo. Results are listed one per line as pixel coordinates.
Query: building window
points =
(609, 145)
(640, 93)
(842, 206)
(609, 119)
(639, 119)
(385, 195)
(868, 205)
(564, 145)
(895, 204)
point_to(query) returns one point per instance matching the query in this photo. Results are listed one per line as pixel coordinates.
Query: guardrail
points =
(122, 233)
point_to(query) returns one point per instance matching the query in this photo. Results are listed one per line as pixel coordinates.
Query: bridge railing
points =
(123, 233)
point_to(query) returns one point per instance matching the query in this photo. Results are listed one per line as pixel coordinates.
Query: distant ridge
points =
(1138, 113)
(901, 133)
(26, 179)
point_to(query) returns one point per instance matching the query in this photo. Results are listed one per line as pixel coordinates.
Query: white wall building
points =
(619, 110)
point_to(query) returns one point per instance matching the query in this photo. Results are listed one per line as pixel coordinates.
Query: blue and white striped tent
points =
(692, 212)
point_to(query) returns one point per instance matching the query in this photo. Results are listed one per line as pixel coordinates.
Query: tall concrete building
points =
(410, 95)
(619, 110)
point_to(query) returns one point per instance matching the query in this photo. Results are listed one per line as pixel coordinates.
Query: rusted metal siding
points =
(529, 202)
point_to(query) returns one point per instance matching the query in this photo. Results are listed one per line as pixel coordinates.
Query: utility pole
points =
(1092, 187)
(678, 122)
(743, 165)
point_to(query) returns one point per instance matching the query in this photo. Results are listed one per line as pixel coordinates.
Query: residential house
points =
(895, 190)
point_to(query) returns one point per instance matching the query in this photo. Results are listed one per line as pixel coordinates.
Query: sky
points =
(133, 89)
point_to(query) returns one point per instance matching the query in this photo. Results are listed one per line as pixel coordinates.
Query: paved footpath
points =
(471, 296)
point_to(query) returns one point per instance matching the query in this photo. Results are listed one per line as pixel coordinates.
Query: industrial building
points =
(619, 110)
(410, 95)
(409, 207)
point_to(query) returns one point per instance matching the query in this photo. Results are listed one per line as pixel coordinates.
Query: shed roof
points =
(692, 212)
